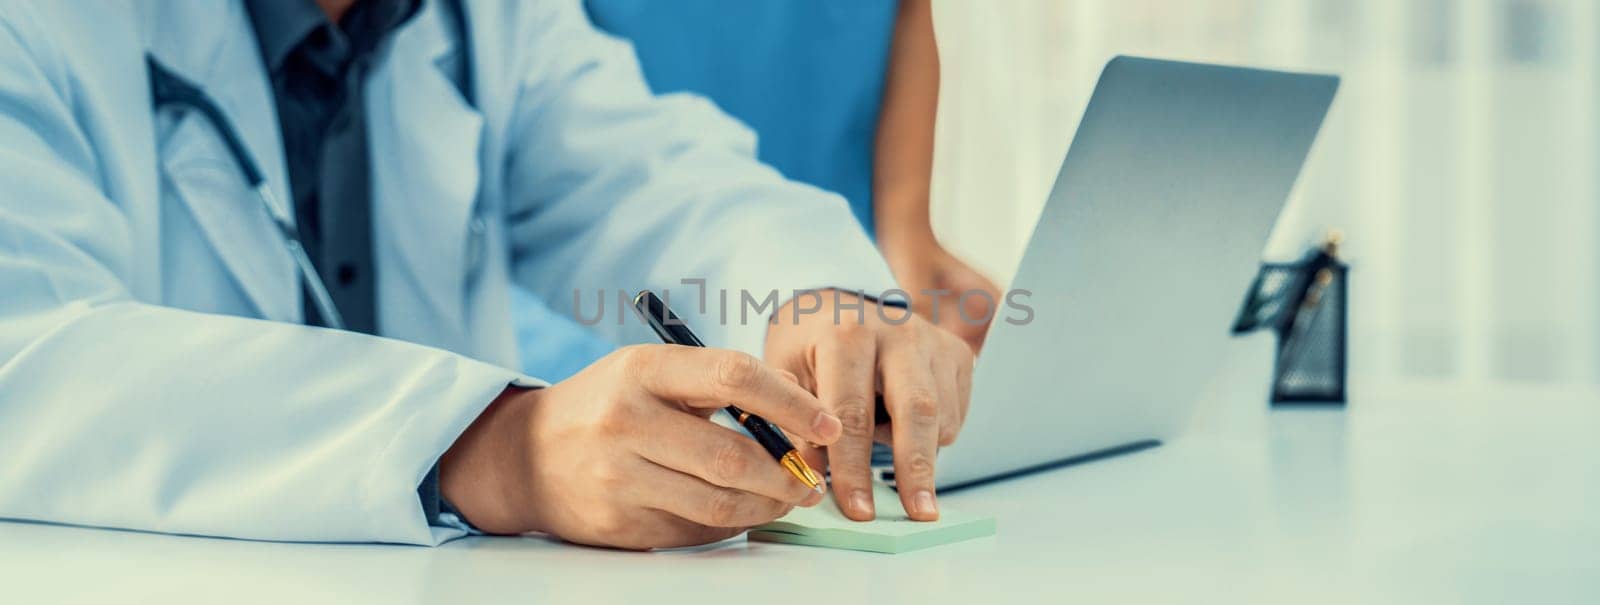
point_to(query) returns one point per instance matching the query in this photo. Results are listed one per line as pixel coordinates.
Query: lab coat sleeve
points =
(613, 189)
(119, 413)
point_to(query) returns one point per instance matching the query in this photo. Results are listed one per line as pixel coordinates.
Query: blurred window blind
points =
(1462, 158)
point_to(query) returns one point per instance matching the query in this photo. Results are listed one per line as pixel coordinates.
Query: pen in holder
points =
(1305, 304)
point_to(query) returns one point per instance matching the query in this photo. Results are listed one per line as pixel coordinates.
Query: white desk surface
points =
(1439, 496)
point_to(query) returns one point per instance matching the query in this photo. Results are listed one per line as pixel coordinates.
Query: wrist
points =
(479, 475)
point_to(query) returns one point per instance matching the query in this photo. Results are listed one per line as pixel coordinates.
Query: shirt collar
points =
(281, 24)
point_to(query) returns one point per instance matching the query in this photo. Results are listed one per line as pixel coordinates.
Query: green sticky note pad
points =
(892, 532)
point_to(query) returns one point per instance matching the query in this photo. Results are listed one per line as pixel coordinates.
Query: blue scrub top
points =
(806, 75)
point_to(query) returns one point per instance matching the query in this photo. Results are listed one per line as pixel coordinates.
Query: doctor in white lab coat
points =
(155, 375)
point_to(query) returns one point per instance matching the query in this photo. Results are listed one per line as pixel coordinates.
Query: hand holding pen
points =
(673, 331)
(622, 455)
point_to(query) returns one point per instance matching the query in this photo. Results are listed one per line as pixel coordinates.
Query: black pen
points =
(673, 331)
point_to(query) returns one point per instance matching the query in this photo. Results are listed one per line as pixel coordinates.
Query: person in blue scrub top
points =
(842, 94)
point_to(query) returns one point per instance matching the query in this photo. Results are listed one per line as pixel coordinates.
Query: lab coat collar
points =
(427, 187)
(212, 44)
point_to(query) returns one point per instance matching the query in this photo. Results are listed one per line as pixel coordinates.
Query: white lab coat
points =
(152, 372)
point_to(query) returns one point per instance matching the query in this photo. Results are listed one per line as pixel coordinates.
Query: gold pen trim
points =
(797, 466)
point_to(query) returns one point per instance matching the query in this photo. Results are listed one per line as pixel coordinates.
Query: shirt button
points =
(346, 274)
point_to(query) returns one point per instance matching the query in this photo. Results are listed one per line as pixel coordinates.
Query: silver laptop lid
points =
(1144, 250)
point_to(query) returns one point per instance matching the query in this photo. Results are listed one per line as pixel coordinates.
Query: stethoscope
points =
(168, 89)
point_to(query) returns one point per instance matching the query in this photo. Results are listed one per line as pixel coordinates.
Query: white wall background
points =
(1462, 158)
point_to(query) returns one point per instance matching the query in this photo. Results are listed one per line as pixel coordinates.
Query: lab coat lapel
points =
(212, 45)
(426, 141)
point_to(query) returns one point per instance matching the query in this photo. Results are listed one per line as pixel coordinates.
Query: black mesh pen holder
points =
(1305, 304)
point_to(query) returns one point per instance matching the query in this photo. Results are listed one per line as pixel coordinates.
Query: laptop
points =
(1149, 240)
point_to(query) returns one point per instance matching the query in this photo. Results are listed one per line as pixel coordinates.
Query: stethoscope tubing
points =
(167, 89)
